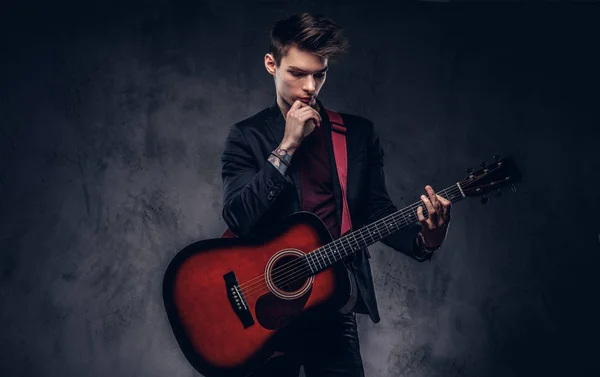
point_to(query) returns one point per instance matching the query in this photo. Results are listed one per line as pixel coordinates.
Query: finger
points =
(297, 105)
(443, 201)
(305, 115)
(446, 207)
(300, 114)
(446, 204)
(309, 109)
(420, 214)
(433, 197)
(300, 105)
(319, 115)
(432, 212)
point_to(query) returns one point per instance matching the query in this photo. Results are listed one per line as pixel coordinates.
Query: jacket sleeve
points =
(249, 187)
(380, 205)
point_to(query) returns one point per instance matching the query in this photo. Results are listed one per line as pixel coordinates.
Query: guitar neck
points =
(356, 240)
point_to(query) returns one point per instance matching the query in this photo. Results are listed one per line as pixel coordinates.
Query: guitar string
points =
(299, 262)
(325, 247)
(340, 241)
(301, 272)
(304, 270)
(327, 250)
(282, 270)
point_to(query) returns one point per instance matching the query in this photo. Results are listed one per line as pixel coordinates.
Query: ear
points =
(270, 64)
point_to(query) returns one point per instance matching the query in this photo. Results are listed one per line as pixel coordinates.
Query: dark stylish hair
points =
(309, 32)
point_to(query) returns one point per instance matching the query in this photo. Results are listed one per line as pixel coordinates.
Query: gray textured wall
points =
(114, 117)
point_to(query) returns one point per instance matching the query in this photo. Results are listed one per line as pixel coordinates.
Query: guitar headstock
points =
(491, 178)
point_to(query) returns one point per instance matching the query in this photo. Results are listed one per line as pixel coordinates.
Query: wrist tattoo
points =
(283, 153)
(277, 162)
(280, 158)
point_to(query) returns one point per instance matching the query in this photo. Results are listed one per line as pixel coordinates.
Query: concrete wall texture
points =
(114, 116)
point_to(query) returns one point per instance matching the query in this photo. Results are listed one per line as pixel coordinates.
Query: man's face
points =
(300, 75)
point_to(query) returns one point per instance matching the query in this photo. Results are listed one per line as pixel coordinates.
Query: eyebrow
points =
(294, 68)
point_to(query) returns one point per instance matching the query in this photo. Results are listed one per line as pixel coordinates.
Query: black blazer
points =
(256, 193)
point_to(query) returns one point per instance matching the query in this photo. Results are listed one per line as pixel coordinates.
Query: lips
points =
(306, 100)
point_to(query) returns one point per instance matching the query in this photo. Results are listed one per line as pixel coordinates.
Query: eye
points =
(296, 74)
(320, 74)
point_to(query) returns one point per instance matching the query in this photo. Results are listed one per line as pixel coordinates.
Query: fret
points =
(340, 245)
(309, 256)
(347, 244)
(445, 194)
(373, 239)
(371, 233)
(327, 255)
(335, 244)
(331, 252)
(377, 229)
(355, 241)
(390, 225)
(336, 248)
(382, 228)
(318, 261)
(404, 217)
(363, 238)
(350, 247)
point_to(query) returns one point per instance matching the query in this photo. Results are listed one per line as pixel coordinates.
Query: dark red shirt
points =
(315, 178)
(317, 186)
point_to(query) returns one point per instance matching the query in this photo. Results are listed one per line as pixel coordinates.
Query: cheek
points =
(282, 83)
(289, 83)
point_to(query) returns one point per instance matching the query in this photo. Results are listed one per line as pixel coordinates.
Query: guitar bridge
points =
(237, 300)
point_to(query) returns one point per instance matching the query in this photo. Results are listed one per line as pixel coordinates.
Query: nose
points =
(309, 84)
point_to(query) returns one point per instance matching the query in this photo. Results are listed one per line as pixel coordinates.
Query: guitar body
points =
(223, 337)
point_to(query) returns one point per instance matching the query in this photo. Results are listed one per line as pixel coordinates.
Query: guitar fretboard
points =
(354, 241)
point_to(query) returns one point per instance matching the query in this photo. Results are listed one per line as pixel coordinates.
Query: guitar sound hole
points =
(289, 273)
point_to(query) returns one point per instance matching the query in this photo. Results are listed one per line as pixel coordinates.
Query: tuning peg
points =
(513, 188)
(483, 164)
(484, 199)
(468, 170)
(497, 157)
(498, 192)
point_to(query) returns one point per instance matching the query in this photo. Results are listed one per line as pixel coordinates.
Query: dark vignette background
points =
(114, 116)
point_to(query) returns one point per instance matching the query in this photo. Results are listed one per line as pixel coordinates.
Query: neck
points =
(356, 240)
(283, 106)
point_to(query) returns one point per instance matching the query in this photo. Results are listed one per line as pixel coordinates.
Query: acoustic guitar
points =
(230, 300)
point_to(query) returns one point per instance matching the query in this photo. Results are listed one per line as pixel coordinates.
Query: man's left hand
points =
(435, 227)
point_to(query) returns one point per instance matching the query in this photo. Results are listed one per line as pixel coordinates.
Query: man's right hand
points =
(299, 123)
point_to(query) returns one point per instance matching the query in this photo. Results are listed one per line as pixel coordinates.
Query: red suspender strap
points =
(338, 136)
(228, 234)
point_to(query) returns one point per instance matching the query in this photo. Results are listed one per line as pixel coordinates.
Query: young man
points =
(281, 161)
